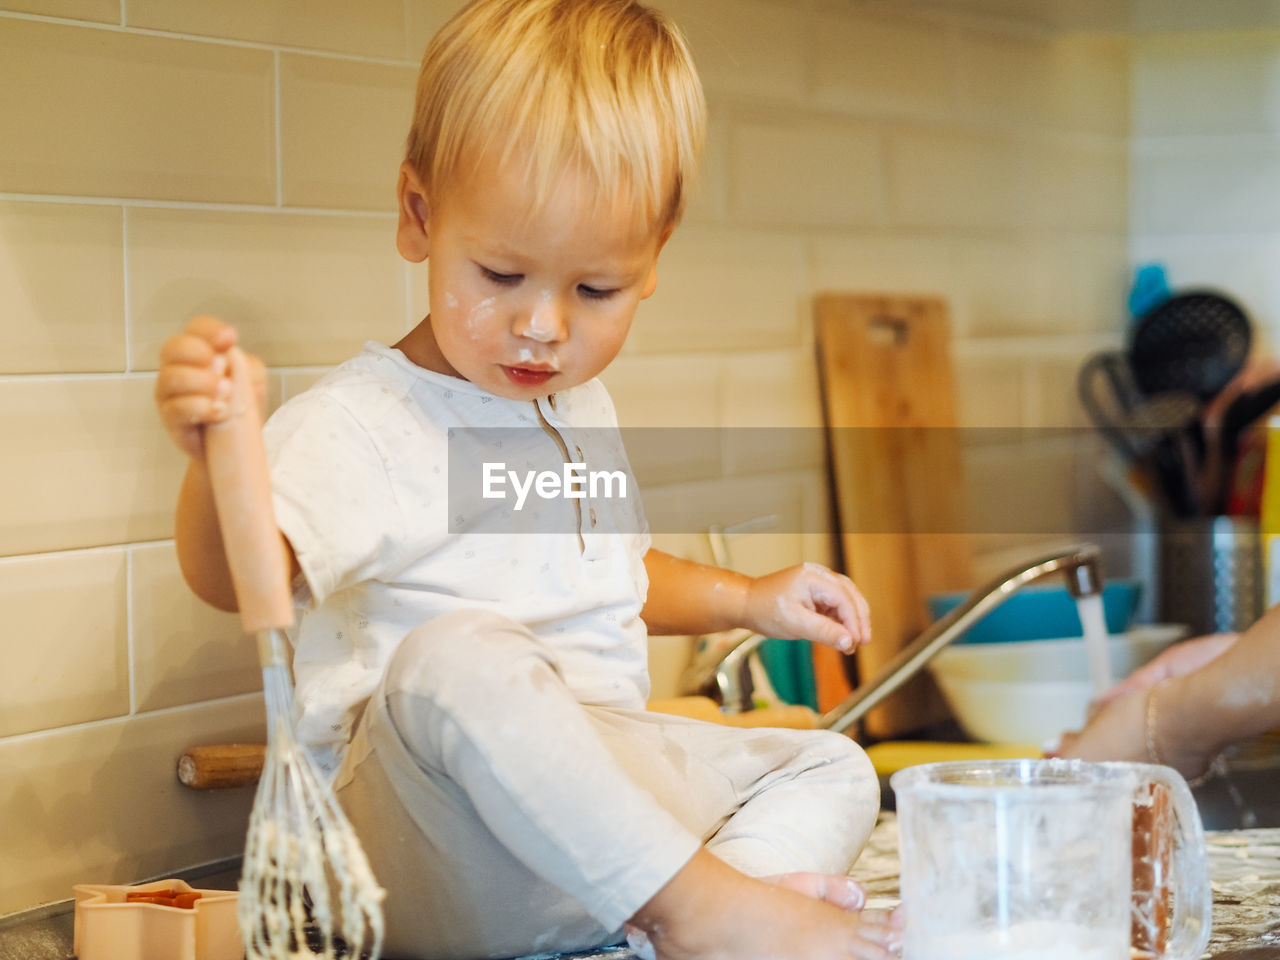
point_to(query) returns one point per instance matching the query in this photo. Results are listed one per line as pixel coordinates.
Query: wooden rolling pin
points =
(220, 766)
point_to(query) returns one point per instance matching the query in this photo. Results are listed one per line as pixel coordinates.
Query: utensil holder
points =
(1210, 573)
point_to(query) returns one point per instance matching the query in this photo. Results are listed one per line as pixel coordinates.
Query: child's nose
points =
(545, 322)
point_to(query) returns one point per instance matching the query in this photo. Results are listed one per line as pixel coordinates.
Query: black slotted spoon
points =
(1194, 342)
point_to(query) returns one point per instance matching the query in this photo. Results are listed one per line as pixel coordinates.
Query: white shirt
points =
(360, 469)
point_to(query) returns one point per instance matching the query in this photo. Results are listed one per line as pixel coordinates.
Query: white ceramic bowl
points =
(1033, 691)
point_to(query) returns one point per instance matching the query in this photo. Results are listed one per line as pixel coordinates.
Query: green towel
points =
(789, 664)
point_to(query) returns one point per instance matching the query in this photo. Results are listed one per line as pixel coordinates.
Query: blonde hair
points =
(602, 87)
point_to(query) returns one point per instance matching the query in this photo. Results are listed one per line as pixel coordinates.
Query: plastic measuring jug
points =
(1050, 860)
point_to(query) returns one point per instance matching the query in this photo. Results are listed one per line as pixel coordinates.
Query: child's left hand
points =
(809, 602)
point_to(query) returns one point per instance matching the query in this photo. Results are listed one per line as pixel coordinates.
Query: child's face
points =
(524, 306)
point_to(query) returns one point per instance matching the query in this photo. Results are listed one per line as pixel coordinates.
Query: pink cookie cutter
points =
(108, 927)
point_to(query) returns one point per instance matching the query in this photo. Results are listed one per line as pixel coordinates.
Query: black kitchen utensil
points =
(1133, 423)
(1246, 409)
(1107, 379)
(1146, 429)
(1241, 413)
(1194, 342)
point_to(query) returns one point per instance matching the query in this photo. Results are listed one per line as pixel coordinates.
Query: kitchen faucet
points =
(1079, 564)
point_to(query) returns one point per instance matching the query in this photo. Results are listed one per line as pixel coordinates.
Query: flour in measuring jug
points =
(1023, 941)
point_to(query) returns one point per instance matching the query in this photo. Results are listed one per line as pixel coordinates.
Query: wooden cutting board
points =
(889, 402)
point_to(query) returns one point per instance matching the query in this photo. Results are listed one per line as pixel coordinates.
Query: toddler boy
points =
(479, 698)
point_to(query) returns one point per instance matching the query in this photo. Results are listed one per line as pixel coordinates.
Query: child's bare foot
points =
(709, 911)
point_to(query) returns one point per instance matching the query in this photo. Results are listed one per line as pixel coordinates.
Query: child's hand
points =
(192, 386)
(809, 602)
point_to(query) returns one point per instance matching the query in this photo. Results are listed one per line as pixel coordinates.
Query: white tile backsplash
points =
(185, 158)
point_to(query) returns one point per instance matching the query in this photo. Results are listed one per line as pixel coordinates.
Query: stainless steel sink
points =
(1247, 795)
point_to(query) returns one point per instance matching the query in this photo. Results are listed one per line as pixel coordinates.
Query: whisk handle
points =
(238, 473)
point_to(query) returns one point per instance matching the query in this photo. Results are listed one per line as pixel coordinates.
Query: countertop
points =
(1244, 869)
(1244, 866)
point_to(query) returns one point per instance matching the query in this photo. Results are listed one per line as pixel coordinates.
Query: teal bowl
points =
(1041, 613)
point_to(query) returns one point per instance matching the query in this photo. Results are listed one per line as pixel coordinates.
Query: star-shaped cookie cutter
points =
(110, 927)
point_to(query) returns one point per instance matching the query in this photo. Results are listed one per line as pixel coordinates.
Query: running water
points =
(1096, 640)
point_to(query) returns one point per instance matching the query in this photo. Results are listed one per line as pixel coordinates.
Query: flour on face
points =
(479, 315)
(526, 356)
(542, 325)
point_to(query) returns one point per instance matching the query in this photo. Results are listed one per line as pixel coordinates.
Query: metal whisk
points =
(306, 888)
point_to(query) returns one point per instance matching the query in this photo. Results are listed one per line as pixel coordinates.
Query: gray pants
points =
(505, 818)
